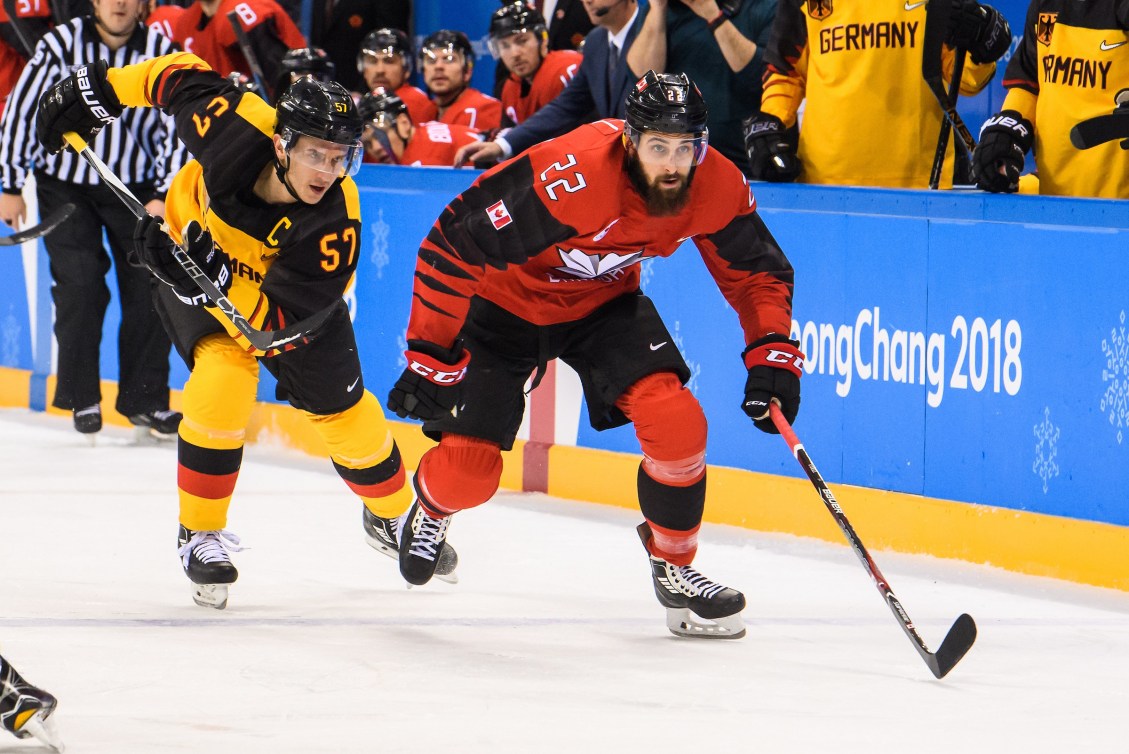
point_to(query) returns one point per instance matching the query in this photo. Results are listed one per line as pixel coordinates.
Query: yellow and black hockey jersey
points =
(869, 118)
(288, 260)
(1073, 60)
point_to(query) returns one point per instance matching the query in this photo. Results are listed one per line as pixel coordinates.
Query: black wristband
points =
(722, 17)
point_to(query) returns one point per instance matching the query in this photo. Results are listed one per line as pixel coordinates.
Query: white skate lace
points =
(95, 409)
(162, 415)
(692, 583)
(432, 532)
(210, 546)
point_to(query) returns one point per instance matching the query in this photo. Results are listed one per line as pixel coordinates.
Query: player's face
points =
(118, 16)
(444, 71)
(314, 166)
(521, 53)
(385, 69)
(659, 167)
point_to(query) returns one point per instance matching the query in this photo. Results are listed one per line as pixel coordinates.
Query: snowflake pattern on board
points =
(10, 339)
(1046, 449)
(1115, 400)
(695, 366)
(379, 231)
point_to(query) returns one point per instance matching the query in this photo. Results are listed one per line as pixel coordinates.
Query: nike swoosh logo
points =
(657, 347)
(915, 6)
(1106, 46)
(350, 388)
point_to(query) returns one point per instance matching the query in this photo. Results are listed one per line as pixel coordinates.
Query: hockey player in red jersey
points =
(539, 259)
(447, 60)
(391, 137)
(518, 37)
(385, 60)
(205, 31)
(25, 711)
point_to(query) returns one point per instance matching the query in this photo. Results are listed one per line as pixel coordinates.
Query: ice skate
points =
(206, 557)
(422, 545)
(25, 711)
(155, 425)
(383, 535)
(88, 421)
(688, 596)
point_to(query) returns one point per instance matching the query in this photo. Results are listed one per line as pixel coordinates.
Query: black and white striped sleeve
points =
(19, 148)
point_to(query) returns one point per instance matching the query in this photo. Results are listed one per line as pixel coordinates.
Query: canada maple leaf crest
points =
(589, 266)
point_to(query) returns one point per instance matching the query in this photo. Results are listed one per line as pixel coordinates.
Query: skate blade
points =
(210, 595)
(42, 728)
(91, 438)
(444, 570)
(682, 622)
(147, 436)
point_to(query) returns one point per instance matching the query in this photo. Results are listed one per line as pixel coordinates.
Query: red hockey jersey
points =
(558, 231)
(435, 144)
(213, 39)
(473, 109)
(556, 70)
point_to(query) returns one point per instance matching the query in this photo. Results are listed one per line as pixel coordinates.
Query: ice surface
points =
(552, 642)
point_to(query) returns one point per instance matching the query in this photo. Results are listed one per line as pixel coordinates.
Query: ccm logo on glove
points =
(435, 371)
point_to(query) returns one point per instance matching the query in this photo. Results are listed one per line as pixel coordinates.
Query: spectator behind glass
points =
(519, 39)
(385, 60)
(340, 26)
(1039, 111)
(447, 61)
(720, 45)
(869, 117)
(391, 138)
(599, 89)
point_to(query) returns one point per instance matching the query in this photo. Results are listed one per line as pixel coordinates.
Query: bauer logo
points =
(499, 215)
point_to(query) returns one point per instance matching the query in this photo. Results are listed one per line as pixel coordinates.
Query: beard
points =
(661, 202)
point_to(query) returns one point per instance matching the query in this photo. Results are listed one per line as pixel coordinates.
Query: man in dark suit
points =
(598, 90)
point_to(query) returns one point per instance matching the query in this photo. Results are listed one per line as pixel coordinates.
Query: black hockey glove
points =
(775, 365)
(82, 102)
(1004, 141)
(153, 249)
(980, 29)
(429, 386)
(771, 148)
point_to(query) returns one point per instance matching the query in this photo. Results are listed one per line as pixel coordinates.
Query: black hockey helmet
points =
(446, 41)
(322, 110)
(381, 107)
(309, 60)
(669, 103)
(515, 18)
(385, 41)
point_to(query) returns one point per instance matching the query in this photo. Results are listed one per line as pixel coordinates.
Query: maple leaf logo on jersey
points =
(819, 9)
(591, 266)
(499, 215)
(1045, 27)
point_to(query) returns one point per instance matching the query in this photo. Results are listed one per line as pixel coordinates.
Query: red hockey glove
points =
(429, 388)
(775, 365)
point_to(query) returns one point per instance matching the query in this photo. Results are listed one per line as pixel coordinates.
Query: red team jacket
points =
(214, 39)
(556, 70)
(558, 231)
(163, 19)
(473, 109)
(420, 107)
(435, 144)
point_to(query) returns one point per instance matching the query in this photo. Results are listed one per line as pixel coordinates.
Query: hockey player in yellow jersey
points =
(1070, 65)
(869, 118)
(269, 212)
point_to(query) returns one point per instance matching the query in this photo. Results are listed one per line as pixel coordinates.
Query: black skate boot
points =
(383, 535)
(26, 710)
(160, 424)
(88, 420)
(422, 540)
(685, 593)
(206, 557)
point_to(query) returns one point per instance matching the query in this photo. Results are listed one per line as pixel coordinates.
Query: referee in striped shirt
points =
(142, 149)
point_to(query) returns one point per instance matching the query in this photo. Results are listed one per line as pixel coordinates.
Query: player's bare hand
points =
(13, 211)
(155, 207)
(479, 151)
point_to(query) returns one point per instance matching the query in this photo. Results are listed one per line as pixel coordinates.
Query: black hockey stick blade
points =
(1094, 131)
(955, 646)
(54, 220)
(298, 333)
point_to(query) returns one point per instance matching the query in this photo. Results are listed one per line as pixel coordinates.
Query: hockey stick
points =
(54, 220)
(963, 632)
(936, 26)
(946, 124)
(1094, 131)
(17, 25)
(249, 54)
(262, 340)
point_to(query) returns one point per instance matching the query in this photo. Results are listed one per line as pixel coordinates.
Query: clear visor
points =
(441, 54)
(386, 55)
(338, 160)
(498, 45)
(678, 150)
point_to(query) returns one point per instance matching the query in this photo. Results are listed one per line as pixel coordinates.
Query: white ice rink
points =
(552, 642)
